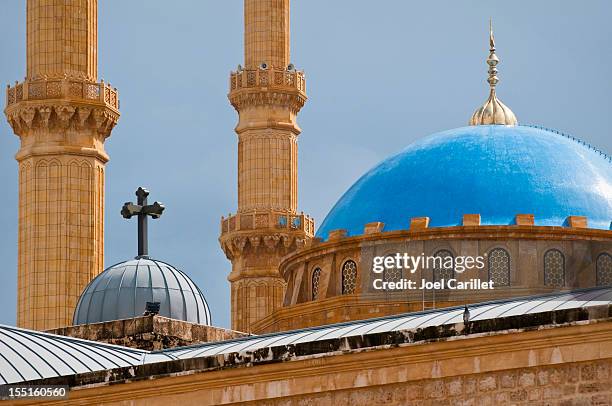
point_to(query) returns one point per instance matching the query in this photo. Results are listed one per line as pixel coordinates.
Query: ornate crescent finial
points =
(493, 111)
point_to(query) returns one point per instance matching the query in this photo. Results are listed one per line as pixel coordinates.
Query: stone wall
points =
(584, 383)
(148, 333)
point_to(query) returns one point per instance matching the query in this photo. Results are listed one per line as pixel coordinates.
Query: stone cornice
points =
(501, 233)
(268, 133)
(239, 244)
(293, 100)
(44, 150)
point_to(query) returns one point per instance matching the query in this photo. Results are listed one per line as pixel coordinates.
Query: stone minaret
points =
(267, 93)
(62, 114)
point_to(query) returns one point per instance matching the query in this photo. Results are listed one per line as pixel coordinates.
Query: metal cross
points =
(143, 210)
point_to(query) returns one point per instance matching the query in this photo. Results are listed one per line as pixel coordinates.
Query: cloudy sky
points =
(379, 75)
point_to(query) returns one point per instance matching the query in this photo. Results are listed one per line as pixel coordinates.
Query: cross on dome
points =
(142, 210)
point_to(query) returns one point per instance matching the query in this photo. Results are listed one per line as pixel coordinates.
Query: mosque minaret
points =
(268, 92)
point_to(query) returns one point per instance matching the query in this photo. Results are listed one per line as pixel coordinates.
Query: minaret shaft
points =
(266, 33)
(267, 94)
(62, 116)
(62, 39)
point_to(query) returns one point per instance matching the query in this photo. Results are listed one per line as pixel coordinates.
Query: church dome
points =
(496, 171)
(122, 291)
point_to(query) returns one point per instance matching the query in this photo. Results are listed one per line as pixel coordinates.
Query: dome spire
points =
(493, 111)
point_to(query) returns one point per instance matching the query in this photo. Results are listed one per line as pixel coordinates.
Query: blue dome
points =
(122, 291)
(496, 171)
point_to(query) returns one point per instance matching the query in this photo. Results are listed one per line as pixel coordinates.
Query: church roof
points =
(122, 291)
(27, 355)
(496, 171)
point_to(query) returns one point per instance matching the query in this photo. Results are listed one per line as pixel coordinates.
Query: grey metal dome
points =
(122, 291)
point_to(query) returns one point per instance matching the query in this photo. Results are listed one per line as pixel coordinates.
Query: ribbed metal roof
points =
(409, 321)
(29, 355)
(122, 291)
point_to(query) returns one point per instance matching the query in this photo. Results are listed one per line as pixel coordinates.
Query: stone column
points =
(267, 93)
(62, 115)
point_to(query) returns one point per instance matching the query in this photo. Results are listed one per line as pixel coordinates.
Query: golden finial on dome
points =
(493, 111)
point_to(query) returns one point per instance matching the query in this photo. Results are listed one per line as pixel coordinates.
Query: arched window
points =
(440, 270)
(392, 274)
(349, 277)
(604, 270)
(499, 267)
(316, 277)
(554, 268)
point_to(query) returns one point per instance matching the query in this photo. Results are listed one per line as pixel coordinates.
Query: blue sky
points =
(379, 75)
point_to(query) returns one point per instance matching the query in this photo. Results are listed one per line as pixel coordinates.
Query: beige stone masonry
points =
(419, 223)
(524, 220)
(267, 93)
(335, 235)
(373, 228)
(576, 222)
(62, 116)
(471, 219)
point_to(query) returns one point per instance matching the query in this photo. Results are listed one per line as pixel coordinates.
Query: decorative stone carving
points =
(92, 92)
(255, 241)
(52, 103)
(276, 244)
(60, 116)
(240, 243)
(287, 89)
(292, 100)
(54, 89)
(65, 113)
(44, 112)
(82, 116)
(27, 115)
(36, 90)
(76, 90)
(271, 241)
(261, 220)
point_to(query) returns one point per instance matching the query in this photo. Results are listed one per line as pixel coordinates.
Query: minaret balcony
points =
(68, 89)
(56, 104)
(266, 220)
(272, 78)
(254, 88)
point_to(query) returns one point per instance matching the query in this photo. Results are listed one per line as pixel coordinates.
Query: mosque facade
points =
(521, 213)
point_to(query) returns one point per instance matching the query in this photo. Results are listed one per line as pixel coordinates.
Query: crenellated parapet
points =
(333, 280)
(523, 225)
